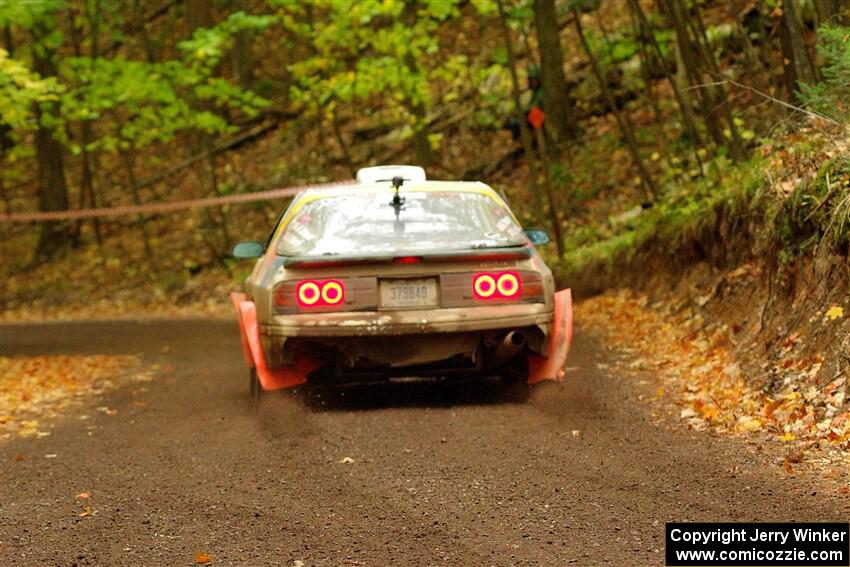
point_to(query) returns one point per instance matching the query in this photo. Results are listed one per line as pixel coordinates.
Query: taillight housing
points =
(311, 295)
(488, 286)
(319, 293)
(293, 296)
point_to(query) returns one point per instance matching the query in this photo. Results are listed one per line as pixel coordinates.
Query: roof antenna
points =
(397, 204)
(398, 181)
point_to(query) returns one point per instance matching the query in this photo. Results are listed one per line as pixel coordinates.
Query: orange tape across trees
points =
(166, 207)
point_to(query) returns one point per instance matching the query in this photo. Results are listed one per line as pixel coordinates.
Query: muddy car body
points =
(398, 276)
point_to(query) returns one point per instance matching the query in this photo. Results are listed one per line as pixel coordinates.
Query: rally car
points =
(397, 276)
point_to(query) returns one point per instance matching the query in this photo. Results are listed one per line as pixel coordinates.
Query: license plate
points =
(409, 293)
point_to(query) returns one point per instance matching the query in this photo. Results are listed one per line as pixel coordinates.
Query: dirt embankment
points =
(761, 344)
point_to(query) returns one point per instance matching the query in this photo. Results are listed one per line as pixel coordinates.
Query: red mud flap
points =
(252, 350)
(551, 367)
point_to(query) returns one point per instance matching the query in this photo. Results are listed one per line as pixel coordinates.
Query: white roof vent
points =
(385, 173)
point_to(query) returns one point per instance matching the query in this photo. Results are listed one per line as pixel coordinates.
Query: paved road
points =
(455, 475)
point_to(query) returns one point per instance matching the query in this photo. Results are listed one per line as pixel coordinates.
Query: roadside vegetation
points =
(693, 151)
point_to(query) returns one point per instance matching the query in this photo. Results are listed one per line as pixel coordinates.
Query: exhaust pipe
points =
(511, 345)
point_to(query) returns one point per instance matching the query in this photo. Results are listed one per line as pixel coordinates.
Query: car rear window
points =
(369, 224)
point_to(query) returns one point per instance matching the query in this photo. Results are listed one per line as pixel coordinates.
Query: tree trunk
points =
(421, 144)
(738, 151)
(346, 154)
(520, 115)
(756, 66)
(684, 108)
(559, 106)
(647, 183)
(803, 67)
(6, 141)
(201, 16)
(550, 192)
(88, 194)
(826, 9)
(242, 55)
(130, 168)
(789, 70)
(645, 71)
(151, 51)
(691, 67)
(52, 188)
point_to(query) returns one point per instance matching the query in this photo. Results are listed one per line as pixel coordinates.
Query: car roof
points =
(418, 186)
(305, 197)
(347, 189)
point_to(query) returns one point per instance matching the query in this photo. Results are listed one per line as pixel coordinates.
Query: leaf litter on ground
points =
(697, 371)
(37, 388)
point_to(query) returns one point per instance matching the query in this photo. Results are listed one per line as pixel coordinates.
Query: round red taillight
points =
(499, 285)
(308, 293)
(319, 293)
(508, 285)
(484, 286)
(332, 292)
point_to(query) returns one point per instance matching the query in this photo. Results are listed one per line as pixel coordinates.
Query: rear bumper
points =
(557, 326)
(377, 323)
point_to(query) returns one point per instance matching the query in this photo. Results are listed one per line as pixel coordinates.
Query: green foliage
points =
(617, 47)
(815, 212)
(682, 215)
(38, 18)
(831, 96)
(378, 50)
(133, 102)
(21, 90)
(29, 15)
(208, 45)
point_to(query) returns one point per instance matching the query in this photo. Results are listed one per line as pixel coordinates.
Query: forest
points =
(659, 116)
(689, 159)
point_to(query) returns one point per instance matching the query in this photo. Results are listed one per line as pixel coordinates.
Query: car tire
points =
(517, 392)
(515, 370)
(255, 388)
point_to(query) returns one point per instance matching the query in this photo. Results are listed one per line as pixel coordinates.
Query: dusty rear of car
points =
(410, 278)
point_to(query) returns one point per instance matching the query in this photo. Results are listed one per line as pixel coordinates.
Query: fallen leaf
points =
(660, 392)
(710, 412)
(771, 407)
(203, 558)
(791, 341)
(20, 457)
(83, 495)
(576, 433)
(794, 456)
(44, 386)
(346, 461)
(751, 425)
(87, 511)
(787, 437)
(788, 468)
(834, 312)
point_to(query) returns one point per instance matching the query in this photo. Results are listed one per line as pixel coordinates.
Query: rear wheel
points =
(256, 389)
(515, 369)
(514, 376)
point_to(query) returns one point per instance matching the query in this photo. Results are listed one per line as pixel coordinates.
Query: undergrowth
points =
(792, 197)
